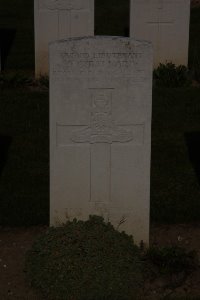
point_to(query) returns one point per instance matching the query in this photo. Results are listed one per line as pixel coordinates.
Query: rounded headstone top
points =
(102, 40)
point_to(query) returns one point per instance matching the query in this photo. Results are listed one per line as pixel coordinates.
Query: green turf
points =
(85, 261)
(175, 191)
(24, 182)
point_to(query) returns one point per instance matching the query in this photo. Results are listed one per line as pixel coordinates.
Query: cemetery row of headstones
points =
(163, 22)
(100, 108)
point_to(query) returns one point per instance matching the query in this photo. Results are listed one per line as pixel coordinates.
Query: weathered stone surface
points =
(59, 19)
(166, 24)
(100, 131)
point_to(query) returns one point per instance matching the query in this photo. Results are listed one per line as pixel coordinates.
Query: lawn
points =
(175, 184)
(24, 180)
(24, 137)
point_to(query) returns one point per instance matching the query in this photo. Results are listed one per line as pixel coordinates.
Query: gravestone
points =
(166, 24)
(59, 19)
(100, 131)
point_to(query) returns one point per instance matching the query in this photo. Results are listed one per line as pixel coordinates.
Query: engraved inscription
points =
(101, 55)
(55, 4)
(96, 64)
(62, 4)
(102, 128)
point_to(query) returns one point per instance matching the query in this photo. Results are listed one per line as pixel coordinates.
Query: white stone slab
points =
(59, 19)
(166, 24)
(100, 131)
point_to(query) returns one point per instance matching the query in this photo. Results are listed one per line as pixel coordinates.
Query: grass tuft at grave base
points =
(90, 260)
(85, 261)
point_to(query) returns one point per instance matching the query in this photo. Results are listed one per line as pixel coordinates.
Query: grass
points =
(175, 191)
(85, 261)
(92, 260)
(24, 179)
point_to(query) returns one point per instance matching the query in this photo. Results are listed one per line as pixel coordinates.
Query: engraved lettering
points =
(87, 63)
(63, 4)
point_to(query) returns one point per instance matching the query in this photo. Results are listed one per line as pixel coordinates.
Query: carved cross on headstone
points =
(68, 13)
(101, 134)
(159, 23)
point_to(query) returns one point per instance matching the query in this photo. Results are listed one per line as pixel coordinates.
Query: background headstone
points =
(59, 19)
(166, 24)
(100, 131)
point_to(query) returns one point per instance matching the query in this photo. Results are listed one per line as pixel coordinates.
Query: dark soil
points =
(14, 242)
(178, 286)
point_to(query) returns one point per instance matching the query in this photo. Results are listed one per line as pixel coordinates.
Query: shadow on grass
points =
(7, 37)
(193, 144)
(5, 142)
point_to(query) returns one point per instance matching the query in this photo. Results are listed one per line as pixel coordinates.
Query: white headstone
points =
(166, 24)
(100, 131)
(59, 19)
